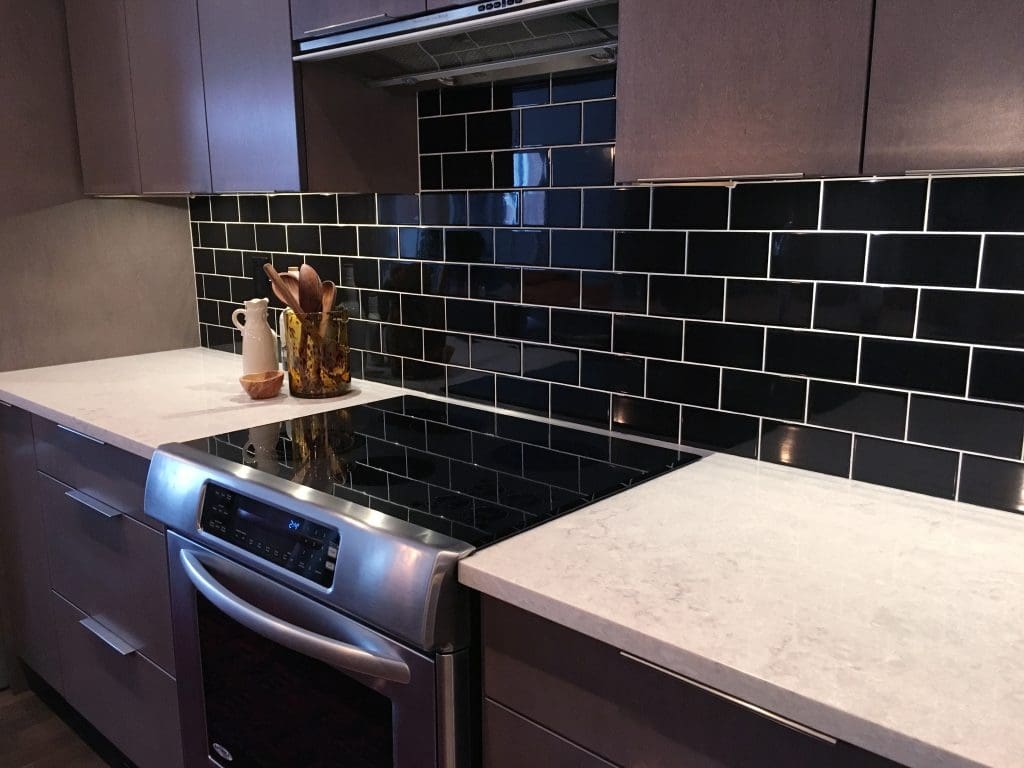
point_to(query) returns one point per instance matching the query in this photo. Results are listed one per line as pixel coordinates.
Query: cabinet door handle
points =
(785, 721)
(81, 434)
(96, 506)
(722, 177)
(6, 405)
(348, 24)
(972, 171)
(119, 644)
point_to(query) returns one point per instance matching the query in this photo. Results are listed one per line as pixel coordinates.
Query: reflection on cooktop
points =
(472, 474)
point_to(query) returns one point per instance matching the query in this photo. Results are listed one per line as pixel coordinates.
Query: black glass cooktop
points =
(472, 474)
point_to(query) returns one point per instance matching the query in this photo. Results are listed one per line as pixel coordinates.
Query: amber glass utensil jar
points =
(316, 350)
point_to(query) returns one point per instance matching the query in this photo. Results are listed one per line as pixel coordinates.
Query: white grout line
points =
(821, 203)
(981, 256)
(927, 204)
(959, 474)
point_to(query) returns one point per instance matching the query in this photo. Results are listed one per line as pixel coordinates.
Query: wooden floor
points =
(32, 736)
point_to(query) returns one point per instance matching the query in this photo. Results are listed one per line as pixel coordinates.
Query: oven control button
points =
(329, 566)
(332, 552)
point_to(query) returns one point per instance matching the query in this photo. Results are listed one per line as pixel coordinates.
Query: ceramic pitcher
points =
(259, 342)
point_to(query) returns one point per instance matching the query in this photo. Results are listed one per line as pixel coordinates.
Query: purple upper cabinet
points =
(251, 105)
(167, 88)
(727, 88)
(98, 46)
(945, 86)
(311, 18)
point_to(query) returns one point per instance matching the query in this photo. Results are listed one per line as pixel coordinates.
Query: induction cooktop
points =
(470, 473)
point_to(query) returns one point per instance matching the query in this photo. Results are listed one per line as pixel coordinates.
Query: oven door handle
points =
(341, 656)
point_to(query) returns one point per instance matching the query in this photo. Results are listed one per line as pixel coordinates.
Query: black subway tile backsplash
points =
(856, 340)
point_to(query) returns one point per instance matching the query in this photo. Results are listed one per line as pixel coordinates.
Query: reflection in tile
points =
(548, 126)
(615, 373)
(764, 394)
(495, 355)
(521, 246)
(994, 429)
(443, 208)
(446, 279)
(400, 276)
(379, 242)
(581, 406)
(819, 450)
(421, 243)
(522, 93)
(519, 322)
(521, 169)
(471, 170)
(719, 431)
(588, 166)
(469, 245)
(636, 416)
(992, 483)
(471, 385)
(522, 395)
(551, 208)
(907, 467)
(551, 364)
(614, 291)
(599, 121)
(500, 283)
(423, 311)
(494, 209)
(857, 409)
(596, 84)
(492, 130)
(398, 209)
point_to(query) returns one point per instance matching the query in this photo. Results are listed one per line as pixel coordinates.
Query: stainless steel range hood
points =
(483, 41)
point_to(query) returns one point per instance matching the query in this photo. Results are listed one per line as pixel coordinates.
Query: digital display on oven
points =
(288, 540)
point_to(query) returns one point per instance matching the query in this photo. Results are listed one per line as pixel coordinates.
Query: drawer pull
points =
(785, 721)
(348, 24)
(81, 434)
(96, 506)
(119, 644)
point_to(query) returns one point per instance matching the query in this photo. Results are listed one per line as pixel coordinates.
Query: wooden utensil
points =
(328, 294)
(281, 289)
(309, 289)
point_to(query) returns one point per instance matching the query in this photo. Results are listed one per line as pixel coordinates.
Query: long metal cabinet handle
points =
(6, 405)
(119, 644)
(347, 24)
(343, 656)
(96, 506)
(793, 724)
(81, 434)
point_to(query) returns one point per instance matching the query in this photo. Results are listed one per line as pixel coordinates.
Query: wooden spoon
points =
(309, 289)
(329, 293)
(281, 289)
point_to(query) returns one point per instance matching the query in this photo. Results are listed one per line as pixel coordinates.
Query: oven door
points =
(268, 678)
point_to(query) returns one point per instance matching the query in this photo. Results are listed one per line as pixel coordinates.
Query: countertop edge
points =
(676, 658)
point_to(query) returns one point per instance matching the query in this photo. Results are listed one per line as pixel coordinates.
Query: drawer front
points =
(129, 700)
(113, 568)
(106, 473)
(630, 713)
(511, 741)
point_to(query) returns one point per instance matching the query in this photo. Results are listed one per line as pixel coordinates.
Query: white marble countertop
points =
(142, 401)
(886, 619)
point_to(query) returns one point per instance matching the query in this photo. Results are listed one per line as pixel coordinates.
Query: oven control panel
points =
(303, 546)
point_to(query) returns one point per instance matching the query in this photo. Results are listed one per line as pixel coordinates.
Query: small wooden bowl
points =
(260, 386)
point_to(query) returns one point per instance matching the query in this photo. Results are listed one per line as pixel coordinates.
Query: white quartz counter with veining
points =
(889, 620)
(139, 402)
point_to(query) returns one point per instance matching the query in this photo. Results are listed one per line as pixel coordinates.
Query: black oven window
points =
(269, 707)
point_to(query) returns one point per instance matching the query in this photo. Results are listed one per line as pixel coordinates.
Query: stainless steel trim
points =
(119, 644)
(495, 66)
(973, 171)
(405, 31)
(6, 405)
(96, 506)
(342, 656)
(81, 434)
(454, 706)
(792, 724)
(724, 177)
(349, 24)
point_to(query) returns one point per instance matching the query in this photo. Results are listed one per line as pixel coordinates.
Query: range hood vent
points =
(484, 41)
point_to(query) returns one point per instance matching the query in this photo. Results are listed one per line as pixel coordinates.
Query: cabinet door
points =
(251, 107)
(727, 88)
(101, 72)
(25, 583)
(167, 88)
(311, 18)
(946, 86)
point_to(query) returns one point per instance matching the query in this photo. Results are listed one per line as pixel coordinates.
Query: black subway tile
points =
(597, 84)
(443, 208)
(359, 273)
(212, 235)
(547, 126)
(592, 330)
(551, 208)
(446, 279)
(224, 208)
(857, 409)
(865, 309)
(400, 276)
(285, 209)
(978, 318)
(581, 406)
(472, 170)
(209, 311)
(241, 236)
(474, 246)
(466, 98)
(584, 248)
(398, 209)
(924, 259)
(402, 341)
(690, 208)
(304, 238)
(908, 467)
(587, 166)
(719, 344)
(378, 242)
(470, 316)
(1002, 265)
(357, 209)
(614, 291)
(818, 450)
(327, 267)
(891, 204)
(619, 208)
(470, 385)
(636, 416)
(599, 121)
(551, 287)
(493, 130)
(997, 375)
(775, 205)
(978, 427)
(518, 322)
(423, 311)
(521, 169)
(522, 395)
(203, 258)
(320, 209)
(495, 355)
(421, 243)
(820, 355)
(380, 306)
(521, 246)
(494, 209)
(522, 92)
(452, 348)
(614, 373)
(339, 241)
(498, 283)
(364, 335)
(768, 302)
(696, 297)
(216, 287)
(648, 336)
(199, 208)
(430, 172)
(914, 365)
(718, 431)
(683, 383)
(428, 103)
(813, 256)
(734, 254)
(984, 204)
(650, 252)
(764, 394)
(551, 364)
(254, 208)
(992, 483)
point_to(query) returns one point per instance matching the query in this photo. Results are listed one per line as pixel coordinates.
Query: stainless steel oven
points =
(308, 633)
